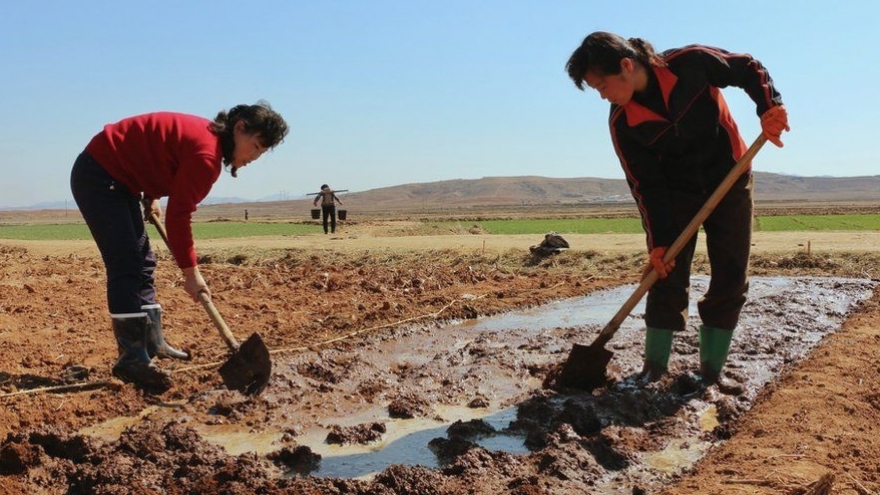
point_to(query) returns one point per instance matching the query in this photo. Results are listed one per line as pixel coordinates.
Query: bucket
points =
(342, 214)
(316, 213)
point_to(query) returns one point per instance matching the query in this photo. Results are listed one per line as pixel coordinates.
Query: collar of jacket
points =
(637, 114)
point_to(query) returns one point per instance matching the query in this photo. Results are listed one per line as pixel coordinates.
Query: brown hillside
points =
(775, 187)
(533, 191)
(530, 190)
(546, 197)
(545, 191)
(529, 195)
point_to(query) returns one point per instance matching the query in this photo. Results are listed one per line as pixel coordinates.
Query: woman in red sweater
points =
(135, 162)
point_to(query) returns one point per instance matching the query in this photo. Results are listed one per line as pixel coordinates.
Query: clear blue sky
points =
(387, 92)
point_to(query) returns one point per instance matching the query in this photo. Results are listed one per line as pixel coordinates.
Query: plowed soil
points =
(813, 429)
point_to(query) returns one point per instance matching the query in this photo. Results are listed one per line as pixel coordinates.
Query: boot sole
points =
(156, 382)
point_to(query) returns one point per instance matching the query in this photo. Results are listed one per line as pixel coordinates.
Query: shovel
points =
(249, 368)
(585, 367)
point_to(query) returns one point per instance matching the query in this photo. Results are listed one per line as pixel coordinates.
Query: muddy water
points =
(432, 392)
(407, 442)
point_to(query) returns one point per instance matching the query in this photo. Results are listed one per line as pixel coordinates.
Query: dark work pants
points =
(329, 213)
(116, 221)
(728, 243)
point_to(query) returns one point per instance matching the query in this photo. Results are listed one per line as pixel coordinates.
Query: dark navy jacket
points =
(678, 137)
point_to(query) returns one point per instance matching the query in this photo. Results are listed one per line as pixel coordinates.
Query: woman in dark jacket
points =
(676, 141)
(137, 161)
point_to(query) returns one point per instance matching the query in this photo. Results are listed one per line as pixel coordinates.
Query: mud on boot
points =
(649, 374)
(658, 347)
(714, 348)
(134, 364)
(156, 344)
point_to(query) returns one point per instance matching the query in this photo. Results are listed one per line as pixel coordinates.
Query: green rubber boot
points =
(658, 347)
(714, 347)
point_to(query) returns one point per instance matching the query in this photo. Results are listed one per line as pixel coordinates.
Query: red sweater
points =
(164, 154)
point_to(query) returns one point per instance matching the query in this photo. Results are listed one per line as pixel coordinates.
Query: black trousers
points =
(329, 213)
(728, 244)
(116, 221)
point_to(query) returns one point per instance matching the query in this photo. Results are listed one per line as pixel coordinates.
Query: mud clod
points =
(401, 480)
(447, 449)
(474, 428)
(408, 406)
(298, 459)
(16, 458)
(358, 434)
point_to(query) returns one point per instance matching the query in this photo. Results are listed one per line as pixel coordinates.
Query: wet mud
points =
(429, 406)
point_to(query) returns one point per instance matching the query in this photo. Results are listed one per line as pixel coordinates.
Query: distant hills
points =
(537, 190)
(775, 187)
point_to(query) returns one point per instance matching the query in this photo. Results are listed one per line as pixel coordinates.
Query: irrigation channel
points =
(420, 396)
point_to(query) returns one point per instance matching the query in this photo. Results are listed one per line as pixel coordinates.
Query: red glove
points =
(656, 259)
(773, 122)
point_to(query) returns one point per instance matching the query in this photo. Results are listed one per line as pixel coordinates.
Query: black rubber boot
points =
(134, 364)
(156, 344)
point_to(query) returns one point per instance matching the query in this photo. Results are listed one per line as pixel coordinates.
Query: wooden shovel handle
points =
(735, 173)
(204, 298)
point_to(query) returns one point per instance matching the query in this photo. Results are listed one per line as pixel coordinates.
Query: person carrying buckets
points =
(328, 201)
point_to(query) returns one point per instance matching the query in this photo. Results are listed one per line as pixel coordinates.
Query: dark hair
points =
(258, 119)
(601, 53)
(324, 186)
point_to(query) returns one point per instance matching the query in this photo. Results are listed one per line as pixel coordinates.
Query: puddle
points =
(236, 441)
(678, 455)
(407, 443)
(499, 362)
(111, 429)
(709, 419)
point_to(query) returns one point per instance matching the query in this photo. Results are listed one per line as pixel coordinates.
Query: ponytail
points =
(601, 52)
(645, 53)
(258, 119)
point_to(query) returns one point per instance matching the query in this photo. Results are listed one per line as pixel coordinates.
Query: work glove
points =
(773, 122)
(656, 262)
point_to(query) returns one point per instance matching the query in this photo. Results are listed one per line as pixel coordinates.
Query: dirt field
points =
(318, 301)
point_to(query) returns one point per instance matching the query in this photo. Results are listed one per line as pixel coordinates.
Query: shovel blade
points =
(249, 368)
(585, 368)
